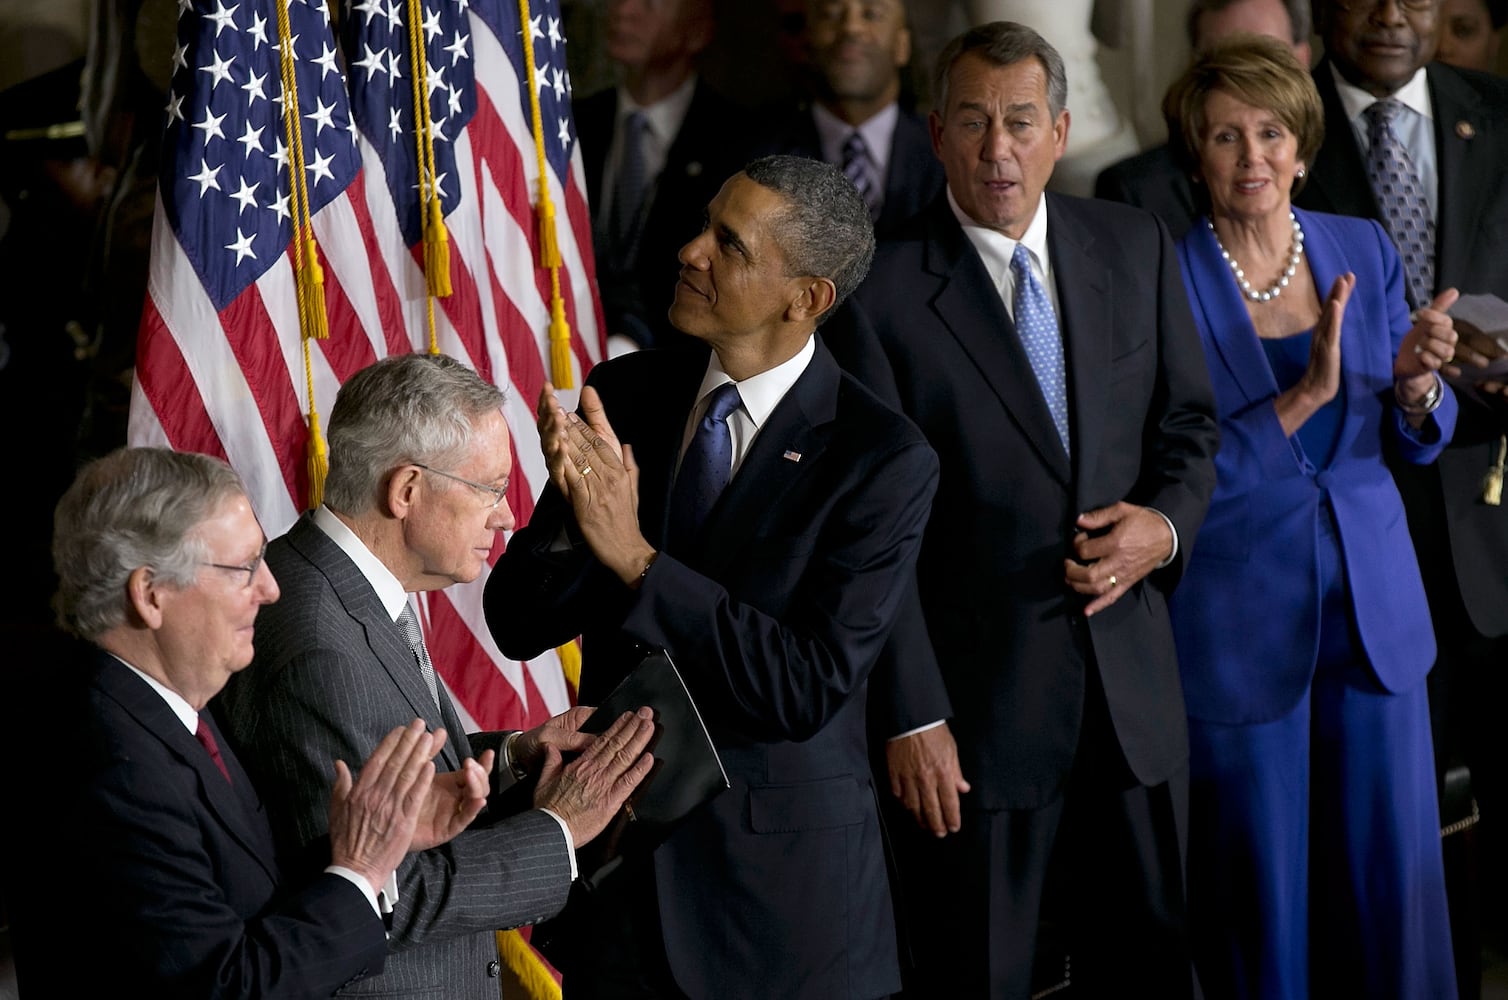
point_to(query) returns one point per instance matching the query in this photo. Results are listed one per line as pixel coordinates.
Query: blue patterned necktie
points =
(1400, 195)
(706, 467)
(859, 168)
(1037, 326)
(628, 190)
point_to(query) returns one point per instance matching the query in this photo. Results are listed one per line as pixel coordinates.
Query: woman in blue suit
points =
(1301, 623)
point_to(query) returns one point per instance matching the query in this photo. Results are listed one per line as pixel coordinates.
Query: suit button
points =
(493, 969)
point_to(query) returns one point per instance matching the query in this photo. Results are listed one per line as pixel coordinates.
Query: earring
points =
(1301, 173)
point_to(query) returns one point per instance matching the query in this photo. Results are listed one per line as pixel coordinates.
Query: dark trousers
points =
(1096, 875)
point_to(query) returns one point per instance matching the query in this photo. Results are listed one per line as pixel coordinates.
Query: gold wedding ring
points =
(586, 470)
(1112, 580)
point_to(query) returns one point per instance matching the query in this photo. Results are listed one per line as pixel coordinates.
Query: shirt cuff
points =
(565, 832)
(367, 892)
(918, 729)
(1171, 530)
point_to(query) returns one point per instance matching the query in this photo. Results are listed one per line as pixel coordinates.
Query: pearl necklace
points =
(1295, 252)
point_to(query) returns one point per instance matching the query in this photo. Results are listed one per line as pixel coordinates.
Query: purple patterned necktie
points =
(858, 167)
(1400, 195)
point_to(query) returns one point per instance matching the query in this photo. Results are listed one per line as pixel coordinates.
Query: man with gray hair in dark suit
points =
(419, 467)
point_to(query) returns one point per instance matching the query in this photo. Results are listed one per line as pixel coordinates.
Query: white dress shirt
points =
(1414, 126)
(759, 395)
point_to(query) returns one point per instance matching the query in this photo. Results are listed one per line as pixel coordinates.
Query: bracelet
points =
(1429, 404)
(645, 571)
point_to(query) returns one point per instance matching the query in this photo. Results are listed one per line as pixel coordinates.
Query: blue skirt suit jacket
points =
(1246, 616)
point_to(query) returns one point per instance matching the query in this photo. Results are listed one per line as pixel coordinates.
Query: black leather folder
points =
(687, 770)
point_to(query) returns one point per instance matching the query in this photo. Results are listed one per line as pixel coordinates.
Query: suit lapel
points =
(1464, 167)
(1221, 313)
(233, 803)
(384, 638)
(970, 308)
(1338, 175)
(1085, 322)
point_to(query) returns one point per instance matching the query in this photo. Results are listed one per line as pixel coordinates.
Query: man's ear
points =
(145, 594)
(401, 491)
(816, 297)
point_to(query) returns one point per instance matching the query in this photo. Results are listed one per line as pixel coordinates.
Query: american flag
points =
(220, 360)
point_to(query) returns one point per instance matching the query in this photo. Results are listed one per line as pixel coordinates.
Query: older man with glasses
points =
(142, 823)
(415, 498)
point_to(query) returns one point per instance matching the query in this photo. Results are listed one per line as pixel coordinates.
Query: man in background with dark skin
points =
(1451, 129)
(856, 50)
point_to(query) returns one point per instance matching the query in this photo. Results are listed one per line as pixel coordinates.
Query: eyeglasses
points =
(250, 569)
(1412, 6)
(498, 495)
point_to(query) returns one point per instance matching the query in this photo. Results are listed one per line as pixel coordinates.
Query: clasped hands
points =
(598, 475)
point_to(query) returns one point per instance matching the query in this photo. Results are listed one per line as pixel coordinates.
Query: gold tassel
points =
(570, 663)
(436, 251)
(1492, 483)
(312, 275)
(560, 346)
(526, 965)
(549, 245)
(318, 458)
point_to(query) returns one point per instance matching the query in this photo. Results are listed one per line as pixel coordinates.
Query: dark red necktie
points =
(207, 740)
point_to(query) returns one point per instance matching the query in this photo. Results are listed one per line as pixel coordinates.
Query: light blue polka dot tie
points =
(1037, 326)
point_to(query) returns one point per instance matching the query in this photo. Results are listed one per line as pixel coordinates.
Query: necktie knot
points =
(408, 622)
(1381, 114)
(1021, 265)
(722, 401)
(207, 741)
(859, 168)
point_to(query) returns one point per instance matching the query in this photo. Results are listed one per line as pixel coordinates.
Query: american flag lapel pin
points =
(792, 456)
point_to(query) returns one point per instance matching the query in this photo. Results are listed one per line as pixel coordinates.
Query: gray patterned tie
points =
(1037, 326)
(1400, 195)
(628, 190)
(859, 168)
(409, 622)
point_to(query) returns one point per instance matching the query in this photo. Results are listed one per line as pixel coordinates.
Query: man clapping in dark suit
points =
(419, 467)
(147, 848)
(757, 514)
(857, 49)
(1045, 347)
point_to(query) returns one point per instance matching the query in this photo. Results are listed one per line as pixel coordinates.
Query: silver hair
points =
(824, 230)
(419, 408)
(131, 508)
(1002, 43)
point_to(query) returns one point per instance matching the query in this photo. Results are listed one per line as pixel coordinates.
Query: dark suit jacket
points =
(711, 147)
(1009, 646)
(1152, 180)
(1462, 541)
(775, 615)
(1259, 547)
(913, 175)
(332, 675)
(138, 857)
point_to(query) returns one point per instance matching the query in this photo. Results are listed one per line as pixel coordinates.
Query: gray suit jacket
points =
(332, 675)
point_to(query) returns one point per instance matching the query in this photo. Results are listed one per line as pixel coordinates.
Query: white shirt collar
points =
(665, 115)
(389, 591)
(878, 132)
(758, 395)
(1413, 95)
(995, 248)
(176, 701)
